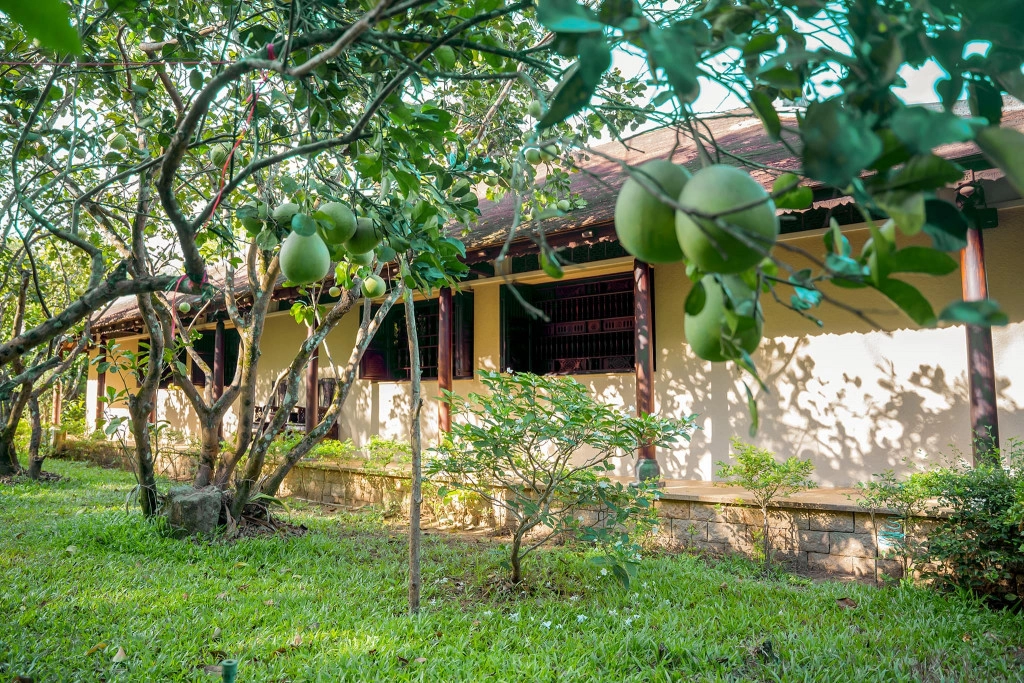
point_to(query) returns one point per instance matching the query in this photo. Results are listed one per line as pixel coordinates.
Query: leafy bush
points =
(536, 448)
(332, 449)
(908, 498)
(980, 545)
(767, 480)
(380, 452)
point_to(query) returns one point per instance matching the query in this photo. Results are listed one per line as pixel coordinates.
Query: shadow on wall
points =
(854, 404)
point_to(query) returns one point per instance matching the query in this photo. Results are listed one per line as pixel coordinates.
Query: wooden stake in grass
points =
(415, 440)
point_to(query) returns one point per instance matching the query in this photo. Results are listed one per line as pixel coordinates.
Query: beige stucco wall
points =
(853, 399)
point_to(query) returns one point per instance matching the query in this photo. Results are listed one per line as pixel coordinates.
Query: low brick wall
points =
(843, 540)
(838, 539)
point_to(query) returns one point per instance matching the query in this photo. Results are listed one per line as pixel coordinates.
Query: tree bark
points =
(209, 450)
(9, 464)
(415, 441)
(367, 329)
(35, 461)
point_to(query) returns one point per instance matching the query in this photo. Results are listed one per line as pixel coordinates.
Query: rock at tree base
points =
(193, 511)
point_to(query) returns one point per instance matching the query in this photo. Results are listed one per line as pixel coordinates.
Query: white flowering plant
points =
(539, 449)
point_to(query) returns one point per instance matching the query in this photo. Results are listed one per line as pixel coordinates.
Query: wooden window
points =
(204, 346)
(387, 356)
(589, 327)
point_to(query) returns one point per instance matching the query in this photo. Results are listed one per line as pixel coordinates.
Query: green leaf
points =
(838, 144)
(921, 260)
(565, 16)
(48, 21)
(924, 172)
(1005, 148)
(800, 197)
(695, 299)
(761, 103)
(921, 130)
(985, 313)
(985, 101)
(266, 240)
(907, 209)
(580, 82)
(945, 225)
(845, 266)
(195, 79)
(910, 301)
(752, 409)
(673, 50)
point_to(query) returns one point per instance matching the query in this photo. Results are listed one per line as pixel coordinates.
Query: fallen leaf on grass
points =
(213, 669)
(71, 550)
(420, 660)
(216, 632)
(297, 640)
(847, 603)
(268, 603)
(222, 596)
(120, 656)
(966, 637)
(96, 648)
(23, 679)
(239, 565)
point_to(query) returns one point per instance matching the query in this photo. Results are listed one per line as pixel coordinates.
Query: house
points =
(853, 398)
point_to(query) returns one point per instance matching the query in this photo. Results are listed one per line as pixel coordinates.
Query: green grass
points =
(341, 589)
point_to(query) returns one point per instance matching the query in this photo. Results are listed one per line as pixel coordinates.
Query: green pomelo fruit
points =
(645, 225)
(184, 307)
(374, 286)
(284, 212)
(252, 224)
(721, 190)
(304, 259)
(334, 291)
(363, 259)
(564, 205)
(705, 329)
(118, 142)
(533, 156)
(344, 222)
(365, 239)
(536, 109)
(219, 155)
(549, 152)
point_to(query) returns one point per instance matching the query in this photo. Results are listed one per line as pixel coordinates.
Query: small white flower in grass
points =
(666, 601)
(443, 579)
(613, 612)
(645, 585)
(557, 626)
(545, 624)
(573, 598)
(604, 572)
(581, 618)
(514, 616)
(628, 621)
(488, 613)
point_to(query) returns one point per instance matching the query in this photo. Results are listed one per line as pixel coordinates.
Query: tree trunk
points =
(144, 458)
(415, 441)
(516, 560)
(35, 466)
(208, 452)
(367, 329)
(9, 464)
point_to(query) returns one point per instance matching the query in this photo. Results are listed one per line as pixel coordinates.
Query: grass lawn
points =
(78, 571)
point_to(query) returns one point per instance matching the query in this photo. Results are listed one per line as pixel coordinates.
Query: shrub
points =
(767, 480)
(536, 448)
(332, 449)
(980, 545)
(909, 498)
(380, 452)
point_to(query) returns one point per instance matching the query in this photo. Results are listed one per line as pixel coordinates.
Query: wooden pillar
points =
(218, 360)
(312, 395)
(981, 371)
(647, 461)
(57, 442)
(101, 382)
(444, 357)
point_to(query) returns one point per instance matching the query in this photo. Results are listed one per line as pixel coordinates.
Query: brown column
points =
(312, 395)
(55, 416)
(981, 371)
(647, 462)
(218, 360)
(101, 382)
(444, 357)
